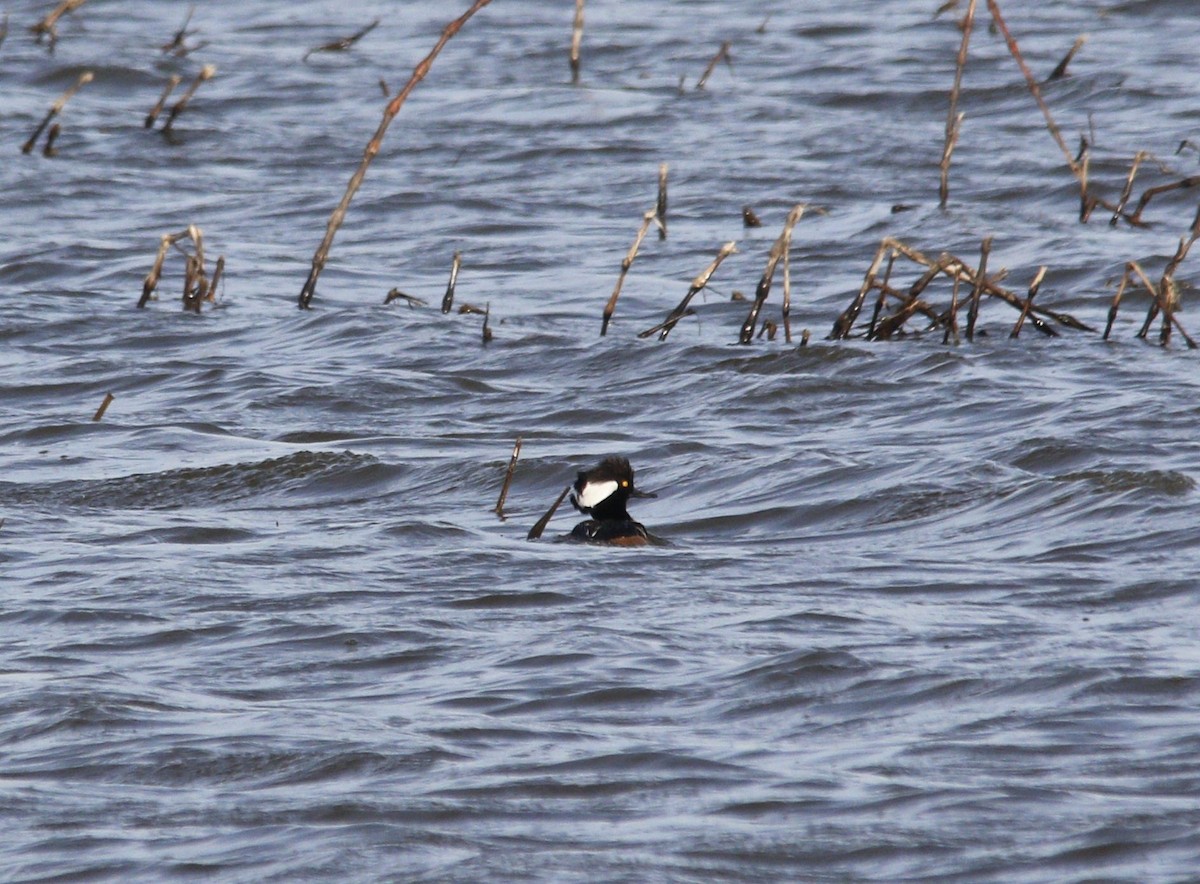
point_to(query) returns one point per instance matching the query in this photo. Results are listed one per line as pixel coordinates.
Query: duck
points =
(602, 493)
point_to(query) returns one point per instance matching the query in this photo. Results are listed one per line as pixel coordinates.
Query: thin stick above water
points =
(344, 43)
(611, 306)
(536, 531)
(764, 284)
(660, 207)
(56, 108)
(508, 477)
(698, 284)
(722, 53)
(321, 255)
(953, 117)
(448, 298)
(576, 40)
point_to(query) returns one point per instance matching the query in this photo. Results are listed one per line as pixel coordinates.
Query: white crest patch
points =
(594, 493)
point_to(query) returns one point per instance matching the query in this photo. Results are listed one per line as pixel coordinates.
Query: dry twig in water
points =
(321, 255)
(448, 298)
(698, 284)
(953, 118)
(1033, 290)
(536, 531)
(56, 108)
(778, 250)
(1061, 70)
(152, 117)
(576, 40)
(508, 477)
(48, 27)
(660, 207)
(108, 398)
(647, 219)
(722, 53)
(344, 43)
(206, 73)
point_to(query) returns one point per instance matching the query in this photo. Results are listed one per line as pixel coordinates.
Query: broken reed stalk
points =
(1061, 70)
(884, 288)
(344, 43)
(845, 322)
(56, 108)
(486, 333)
(536, 531)
(953, 118)
(660, 207)
(1158, 303)
(764, 284)
(1033, 290)
(508, 477)
(1168, 291)
(787, 292)
(1116, 301)
(952, 318)
(218, 272)
(1127, 190)
(321, 255)
(576, 41)
(647, 219)
(698, 284)
(181, 35)
(448, 298)
(722, 53)
(48, 27)
(985, 249)
(206, 73)
(912, 299)
(1015, 50)
(152, 117)
(396, 294)
(108, 398)
(1150, 192)
(165, 243)
(50, 150)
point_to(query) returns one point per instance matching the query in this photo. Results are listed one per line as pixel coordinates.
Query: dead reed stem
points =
(50, 150)
(778, 250)
(344, 43)
(508, 477)
(1158, 303)
(48, 26)
(218, 272)
(206, 73)
(698, 284)
(108, 398)
(396, 294)
(1116, 301)
(1061, 70)
(1034, 89)
(1150, 192)
(660, 207)
(486, 332)
(845, 322)
(152, 117)
(952, 318)
(176, 44)
(722, 53)
(647, 219)
(576, 41)
(56, 108)
(1128, 188)
(985, 249)
(1033, 290)
(953, 118)
(536, 531)
(884, 290)
(169, 239)
(448, 298)
(339, 213)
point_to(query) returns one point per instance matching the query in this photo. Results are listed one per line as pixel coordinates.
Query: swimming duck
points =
(602, 493)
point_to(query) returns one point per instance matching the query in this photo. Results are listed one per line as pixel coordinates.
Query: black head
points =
(603, 491)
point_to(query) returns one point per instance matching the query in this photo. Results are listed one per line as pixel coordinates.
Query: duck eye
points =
(624, 483)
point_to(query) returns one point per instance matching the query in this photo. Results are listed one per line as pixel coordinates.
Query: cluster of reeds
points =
(206, 73)
(55, 109)
(198, 285)
(1164, 294)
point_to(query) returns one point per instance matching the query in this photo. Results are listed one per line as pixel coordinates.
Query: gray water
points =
(927, 612)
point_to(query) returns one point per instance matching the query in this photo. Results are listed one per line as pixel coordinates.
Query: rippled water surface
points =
(927, 611)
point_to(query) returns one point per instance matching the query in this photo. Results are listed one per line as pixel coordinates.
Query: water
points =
(927, 612)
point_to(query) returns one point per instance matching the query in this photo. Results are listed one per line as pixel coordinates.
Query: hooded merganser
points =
(602, 493)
